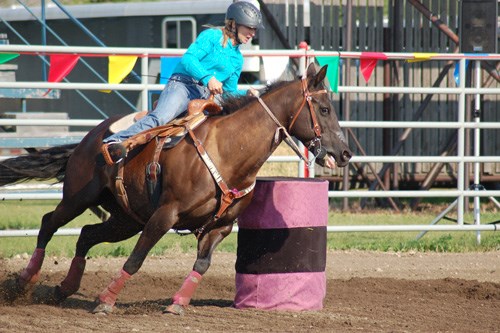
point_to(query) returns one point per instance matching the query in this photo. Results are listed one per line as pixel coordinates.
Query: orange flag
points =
(61, 65)
(368, 61)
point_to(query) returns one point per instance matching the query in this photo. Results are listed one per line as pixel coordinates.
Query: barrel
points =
(281, 255)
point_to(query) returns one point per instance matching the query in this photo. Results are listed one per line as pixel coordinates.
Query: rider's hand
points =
(215, 86)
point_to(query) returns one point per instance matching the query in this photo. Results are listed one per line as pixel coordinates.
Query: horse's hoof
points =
(20, 286)
(23, 287)
(25, 279)
(103, 309)
(174, 309)
(58, 296)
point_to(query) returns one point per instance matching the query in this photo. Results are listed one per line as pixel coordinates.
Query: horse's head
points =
(315, 123)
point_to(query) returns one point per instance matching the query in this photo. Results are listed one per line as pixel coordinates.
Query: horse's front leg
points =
(206, 245)
(158, 225)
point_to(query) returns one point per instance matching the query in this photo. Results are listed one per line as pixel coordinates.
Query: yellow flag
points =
(422, 57)
(119, 67)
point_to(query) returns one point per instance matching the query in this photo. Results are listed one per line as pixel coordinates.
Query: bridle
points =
(308, 97)
(315, 144)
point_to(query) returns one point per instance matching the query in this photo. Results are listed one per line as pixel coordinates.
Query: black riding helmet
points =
(244, 13)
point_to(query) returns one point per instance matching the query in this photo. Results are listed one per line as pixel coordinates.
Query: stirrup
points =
(113, 152)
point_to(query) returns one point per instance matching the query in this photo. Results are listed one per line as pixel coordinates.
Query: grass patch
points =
(27, 215)
(436, 241)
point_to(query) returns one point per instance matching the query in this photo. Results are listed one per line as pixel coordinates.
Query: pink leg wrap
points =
(72, 281)
(32, 272)
(183, 296)
(111, 292)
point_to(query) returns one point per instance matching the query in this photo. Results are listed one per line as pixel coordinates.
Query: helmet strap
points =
(233, 30)
(236, 36)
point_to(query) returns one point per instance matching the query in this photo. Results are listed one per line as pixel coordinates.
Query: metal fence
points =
(460, 124)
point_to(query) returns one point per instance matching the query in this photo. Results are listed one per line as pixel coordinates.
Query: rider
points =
(211, 66)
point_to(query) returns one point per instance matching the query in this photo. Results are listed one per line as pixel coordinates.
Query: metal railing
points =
(459, 194)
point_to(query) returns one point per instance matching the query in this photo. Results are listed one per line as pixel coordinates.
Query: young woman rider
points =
(211, 66)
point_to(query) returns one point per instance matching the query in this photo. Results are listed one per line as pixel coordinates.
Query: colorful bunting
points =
(4, 57)
(368, 61)
(61, 65)
(118, 68)
(417, 57)
(332, 73)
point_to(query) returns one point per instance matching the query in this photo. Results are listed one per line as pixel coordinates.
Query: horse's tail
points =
(40, 165)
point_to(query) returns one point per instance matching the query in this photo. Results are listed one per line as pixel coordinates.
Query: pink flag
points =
(61, 65)
(368, 61)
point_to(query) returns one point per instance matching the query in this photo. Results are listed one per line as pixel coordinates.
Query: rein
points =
(288, 138)
(316, 128)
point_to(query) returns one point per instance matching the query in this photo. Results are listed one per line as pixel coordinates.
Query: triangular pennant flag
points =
(417, 57)
(332, 73)
(118, 68)
(368, 61)
(4, 57)
(61, 65)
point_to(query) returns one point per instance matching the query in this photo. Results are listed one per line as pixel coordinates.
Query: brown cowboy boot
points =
(113, 152)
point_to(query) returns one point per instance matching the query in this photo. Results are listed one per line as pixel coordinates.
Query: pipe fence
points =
(459, 194)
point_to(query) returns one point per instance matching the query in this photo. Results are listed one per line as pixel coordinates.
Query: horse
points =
(205, 182)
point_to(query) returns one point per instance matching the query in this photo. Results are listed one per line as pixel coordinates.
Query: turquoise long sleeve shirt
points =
(207, 58)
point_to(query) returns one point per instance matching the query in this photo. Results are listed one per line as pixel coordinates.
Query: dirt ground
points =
(366, 291)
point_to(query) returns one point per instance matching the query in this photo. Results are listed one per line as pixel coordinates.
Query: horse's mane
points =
(234, 103)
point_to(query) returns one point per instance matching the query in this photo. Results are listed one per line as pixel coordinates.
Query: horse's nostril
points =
(346, 155)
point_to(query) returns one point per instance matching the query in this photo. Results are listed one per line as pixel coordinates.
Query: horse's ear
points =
(321, 75)
(316, 79)
(311, 70)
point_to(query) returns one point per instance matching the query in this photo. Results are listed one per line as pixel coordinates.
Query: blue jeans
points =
(173, 101)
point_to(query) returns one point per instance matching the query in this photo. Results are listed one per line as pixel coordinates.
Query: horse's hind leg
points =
(112, 231)
(206, 246)
(50, 223)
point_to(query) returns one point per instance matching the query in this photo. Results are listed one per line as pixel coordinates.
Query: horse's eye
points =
(325, 110)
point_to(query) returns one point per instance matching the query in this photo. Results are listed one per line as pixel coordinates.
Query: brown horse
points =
(191, 196)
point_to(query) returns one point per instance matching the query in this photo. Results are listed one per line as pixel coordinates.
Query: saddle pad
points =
(126, 121)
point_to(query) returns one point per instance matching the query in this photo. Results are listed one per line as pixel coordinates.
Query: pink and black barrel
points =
(281, 254)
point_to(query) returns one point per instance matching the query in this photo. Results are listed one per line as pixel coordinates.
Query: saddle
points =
(173, 132)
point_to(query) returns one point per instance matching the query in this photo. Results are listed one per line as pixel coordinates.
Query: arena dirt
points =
(366, 291)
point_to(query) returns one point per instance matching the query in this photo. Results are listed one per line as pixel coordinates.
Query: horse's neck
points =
(252, 132)
(258, 120)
